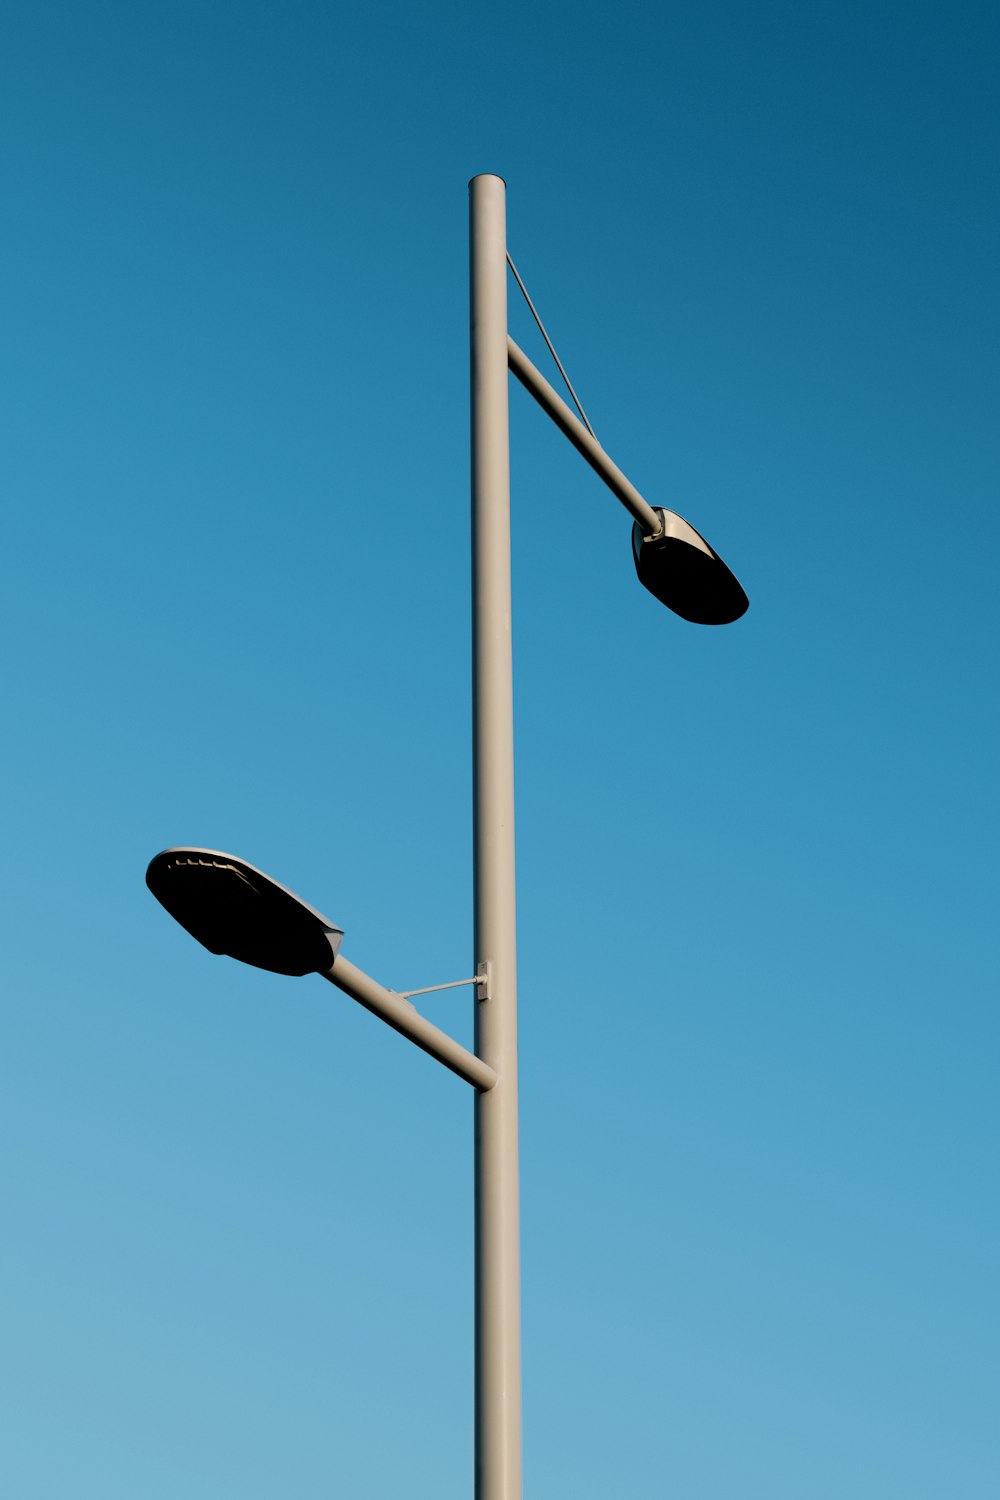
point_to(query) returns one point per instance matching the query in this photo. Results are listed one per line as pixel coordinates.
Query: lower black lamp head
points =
(232, 908)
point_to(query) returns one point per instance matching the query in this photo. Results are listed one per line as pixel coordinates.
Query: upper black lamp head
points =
(680, 569)
(232, 908)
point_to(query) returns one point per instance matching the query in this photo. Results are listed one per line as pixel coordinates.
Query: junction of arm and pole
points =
(403, 1017)
(552, 403)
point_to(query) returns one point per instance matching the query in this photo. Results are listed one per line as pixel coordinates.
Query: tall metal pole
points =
(498, 1271)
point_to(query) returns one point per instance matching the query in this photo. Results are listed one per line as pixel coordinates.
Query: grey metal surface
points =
(498, 1293)
(403, 1017)
(551, 401)
(551, 348)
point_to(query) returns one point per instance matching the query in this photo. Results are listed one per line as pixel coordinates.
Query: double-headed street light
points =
(232, 908)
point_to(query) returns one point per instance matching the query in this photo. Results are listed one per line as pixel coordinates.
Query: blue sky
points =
(756, 865)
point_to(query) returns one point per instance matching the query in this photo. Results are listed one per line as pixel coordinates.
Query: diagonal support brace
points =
(584, 442)
(403, 1017)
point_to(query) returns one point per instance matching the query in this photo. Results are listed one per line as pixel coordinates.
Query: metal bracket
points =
(452, 984)
(482, 981)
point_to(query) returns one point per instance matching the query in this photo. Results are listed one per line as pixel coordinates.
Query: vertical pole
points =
(498, 1272)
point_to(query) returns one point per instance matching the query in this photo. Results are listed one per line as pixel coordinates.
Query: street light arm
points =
(403, 1017)
(551, 402)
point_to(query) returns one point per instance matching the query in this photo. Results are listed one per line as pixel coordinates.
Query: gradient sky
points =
(757, 932)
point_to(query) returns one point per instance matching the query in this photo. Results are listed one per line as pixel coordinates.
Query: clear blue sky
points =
(757, 890)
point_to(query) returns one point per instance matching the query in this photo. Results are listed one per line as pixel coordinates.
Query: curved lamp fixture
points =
(232, 908)
(681, 570)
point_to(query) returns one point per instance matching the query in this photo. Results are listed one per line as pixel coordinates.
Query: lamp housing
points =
(230, 907)
(679, 568)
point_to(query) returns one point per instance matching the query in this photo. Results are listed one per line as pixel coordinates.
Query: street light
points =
(233, 908)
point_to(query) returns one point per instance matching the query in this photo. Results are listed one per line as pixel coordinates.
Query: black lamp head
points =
(680, 569)
(232, 908)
